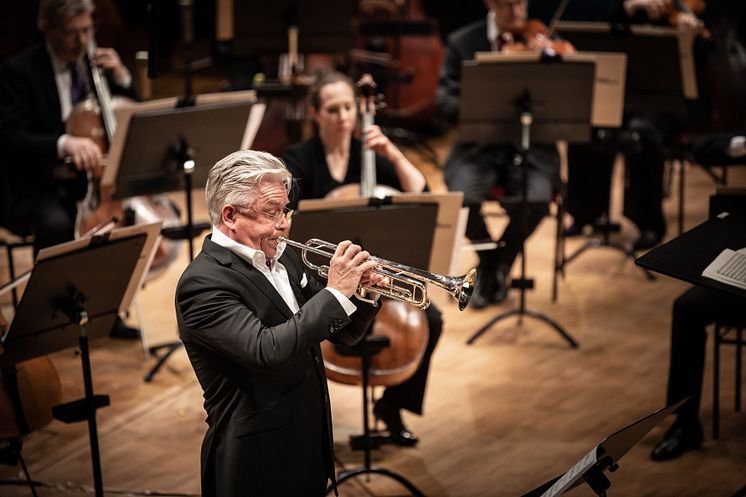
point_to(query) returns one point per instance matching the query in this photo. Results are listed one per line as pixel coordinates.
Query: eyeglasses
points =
(278, 216)
(76, 33)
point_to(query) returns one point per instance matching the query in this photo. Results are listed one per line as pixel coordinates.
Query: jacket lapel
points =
(257, 279)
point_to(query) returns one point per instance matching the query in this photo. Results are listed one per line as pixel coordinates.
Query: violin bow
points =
(556, 17)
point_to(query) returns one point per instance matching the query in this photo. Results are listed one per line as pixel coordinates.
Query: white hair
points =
(235, 179)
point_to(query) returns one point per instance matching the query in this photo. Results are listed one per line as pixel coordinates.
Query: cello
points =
(404, 325)
(95, 118)
(28, 391)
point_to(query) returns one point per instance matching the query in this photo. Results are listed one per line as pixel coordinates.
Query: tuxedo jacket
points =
(30, 125)
(260, 367)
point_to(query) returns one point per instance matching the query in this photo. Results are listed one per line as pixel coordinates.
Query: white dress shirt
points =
(274, 272)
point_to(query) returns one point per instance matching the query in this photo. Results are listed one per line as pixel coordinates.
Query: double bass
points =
(404, 325)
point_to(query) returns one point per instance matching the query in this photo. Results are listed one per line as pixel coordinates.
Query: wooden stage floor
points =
(501, 416)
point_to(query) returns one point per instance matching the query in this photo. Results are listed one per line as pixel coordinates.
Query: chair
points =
(722, 336)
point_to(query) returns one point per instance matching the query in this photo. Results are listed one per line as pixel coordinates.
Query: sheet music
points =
(569, 478)
(729, 267)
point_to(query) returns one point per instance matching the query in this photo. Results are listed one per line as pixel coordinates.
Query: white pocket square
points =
(303, 281)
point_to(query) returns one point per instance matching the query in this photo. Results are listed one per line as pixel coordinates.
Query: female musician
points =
(333, 158)
(38, 89)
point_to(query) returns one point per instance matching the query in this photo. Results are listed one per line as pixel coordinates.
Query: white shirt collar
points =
(57, 65)
(493, 32)
(255, 257)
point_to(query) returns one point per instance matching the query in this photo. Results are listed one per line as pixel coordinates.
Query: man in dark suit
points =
(251, 320)
(38, 89)
(477, 168)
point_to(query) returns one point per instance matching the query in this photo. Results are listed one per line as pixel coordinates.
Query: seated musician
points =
(333, 158)
(642, 141)
(38, 89)
(477, 168)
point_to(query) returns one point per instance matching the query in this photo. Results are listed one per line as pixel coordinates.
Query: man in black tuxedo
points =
(251, 320)
(38, 89)
(477, 168)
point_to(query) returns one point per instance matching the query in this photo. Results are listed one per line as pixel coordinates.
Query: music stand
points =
(534, 101)
(73, 295)
(373, 226)
(604, 456)
(161, 147)
(665, 90)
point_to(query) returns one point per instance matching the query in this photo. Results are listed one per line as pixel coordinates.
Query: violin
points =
(685, 13)
(534, 36)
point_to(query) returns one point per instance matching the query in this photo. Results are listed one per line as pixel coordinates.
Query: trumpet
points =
(406, 283)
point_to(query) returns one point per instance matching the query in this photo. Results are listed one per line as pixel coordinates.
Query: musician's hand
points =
(654, 9)
(375, 140)
(688, 21)
(347, 267)
(108, 58)
(83, 151)
(373, 278)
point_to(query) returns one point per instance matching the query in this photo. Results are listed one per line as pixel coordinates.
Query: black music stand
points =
(73, 297)
(535, 101)
(398, 232)
(665, 90)
(165, 148)
(604, 456)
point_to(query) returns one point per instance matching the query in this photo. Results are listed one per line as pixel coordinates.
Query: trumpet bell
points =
(466, 288)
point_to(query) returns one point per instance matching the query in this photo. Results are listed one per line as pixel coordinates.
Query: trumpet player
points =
(251, 321)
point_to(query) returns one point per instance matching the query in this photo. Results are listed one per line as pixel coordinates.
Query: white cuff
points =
(737, 146)
(61, 141)
(346, 303)
(126, 81)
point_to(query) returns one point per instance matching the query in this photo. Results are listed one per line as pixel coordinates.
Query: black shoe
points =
(392, 419)
(677, 440)
(500, 289)
(648, 239)
(483, 289)
(121, 330)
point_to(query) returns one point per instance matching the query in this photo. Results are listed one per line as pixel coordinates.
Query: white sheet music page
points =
(568, 479)
(729, 267)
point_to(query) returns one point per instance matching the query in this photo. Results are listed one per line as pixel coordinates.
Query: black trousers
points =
(589, 170)
(410, 394)
(693, 311)
(476, 170)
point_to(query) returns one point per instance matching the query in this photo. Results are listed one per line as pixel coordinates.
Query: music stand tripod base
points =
(366, 349)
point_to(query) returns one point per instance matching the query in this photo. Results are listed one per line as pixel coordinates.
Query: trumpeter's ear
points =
(228, 215)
